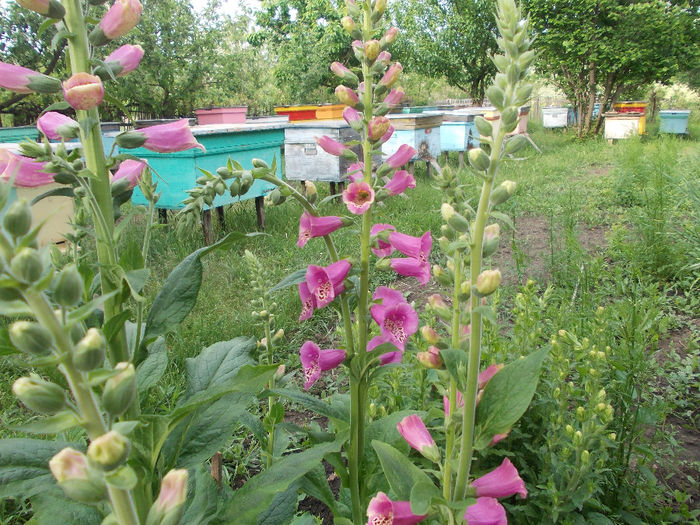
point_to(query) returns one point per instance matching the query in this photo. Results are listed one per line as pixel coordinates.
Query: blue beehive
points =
(18, 134)
(419, 130)
(178, 172)
(674, 121)
(458, 132)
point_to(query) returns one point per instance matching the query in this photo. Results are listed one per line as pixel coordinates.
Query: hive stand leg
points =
(433, 163)
(220, 215)
(332, 185)
(527, 136)
(446, 157)
(429, 168)
(341, 187)
(206, 227)
(260, 212)
(302, 187)
(162, 215)
(411, 167)
(461, 160)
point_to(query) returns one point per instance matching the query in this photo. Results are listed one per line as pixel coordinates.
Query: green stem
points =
(449, 424)
(144, 254)
(270, 400)
(88, 407)
(469, 411)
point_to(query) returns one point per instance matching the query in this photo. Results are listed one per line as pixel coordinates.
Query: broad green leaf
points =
(153, 367)
(255, 496)
(290, 280)
(314, 404)
(399, 470)
(63, 191)
(315, 484)
(218, 363)
(488, 314)
(50, 425)
(422, 495)
(24, 466)
(305, 519)
(147, 440)
(385, 430)
(506, 397)
(282, 507)
(202, 506)
(456, 362)
(88, 308)
(53, 507)
(112, 327)
(15, 309)
(6, 346)
(178, 295)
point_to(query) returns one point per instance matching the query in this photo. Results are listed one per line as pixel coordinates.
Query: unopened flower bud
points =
(465, 289)
(612, 436)
(18, 218)
(120, 390)
(39, 395)
(83, 91)
(121, 18)
(383, 264)
(503, 192)
(459, 223)
(167, 509)
(491, 237)
(372, 49)
(27, 265)
(379, 6)
(378, 126)
(31, 338)
(441, 276)
(347, 96)
(569, 430)
(431, 358)
(90, 351)
(578, 438)
(429, 334)
(488, 281)
(69, 287)
(350, 26)
(479, 160)
(483, 126)
(557, 393)
(344, 73)
(48, 8)
(389, 37)
(580, 413)
(447, 211)
(311, 191)
(279, 373)
(74, 475)
(277, 337)
(109, 450)
(585, 457)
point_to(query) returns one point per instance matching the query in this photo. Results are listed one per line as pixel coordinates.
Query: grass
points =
(635, 191)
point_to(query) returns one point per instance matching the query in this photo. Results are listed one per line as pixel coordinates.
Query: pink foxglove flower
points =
(22, 80)
(353, 118)
(392, 75)
(311, 226)
(308, 302)
(83, 91)
(57, 126)
(332, 147)
(326, 283)
(394, 97)
(431, 358)
(121, 18)
(446, 402)
(383, 511)
(487, 374)
(378, 126)
(344, 73)
(124, 60)
(393, 357)
(163, 138)
(396, 318)
(486, 511)
(384, 58)
(356, 172)
(27, 172)
(314, 361)
(400, 182)
(347, 96)
(501, 482)
(130, 170)
(418, 250)
(48, 8)
(402, 156)
(358, 197)
(391, 34)
(385, 249)
(498, 437)
(387, 135)
(413, 430)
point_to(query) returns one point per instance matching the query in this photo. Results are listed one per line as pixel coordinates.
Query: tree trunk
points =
(591, 99)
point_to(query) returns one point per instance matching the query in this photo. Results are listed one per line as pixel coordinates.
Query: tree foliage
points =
(453, 39)
(587, 46)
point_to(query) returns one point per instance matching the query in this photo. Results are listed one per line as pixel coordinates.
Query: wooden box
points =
(419, 130)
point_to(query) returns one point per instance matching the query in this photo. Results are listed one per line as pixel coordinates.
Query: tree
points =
(307, 36)
(453, 39)
(610, 46)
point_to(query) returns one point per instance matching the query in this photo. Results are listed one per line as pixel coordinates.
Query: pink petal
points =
(413, 430)
(411, 267)
(446, 402)
(400, 182)
(400, 322)
(304, 229)
(388, 297)
(406, 244)
(131, 170)
(170, 137)
(308, 303)
(385, 249)
(501, 482)
(337, 272)
(358, 197)
(402, 156)
(319, 285)
(26, 171)
(329, 359)
(309, 356)
(487, 374)
(486, 511)
(331, 146)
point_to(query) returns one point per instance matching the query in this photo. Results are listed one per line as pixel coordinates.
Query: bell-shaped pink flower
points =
(48, 8)
(130, 170)
(356, 172)
(308, 302)
(358, 197)
(498, 437)
(83, 91)
(57, 126)
(384, 138)
(402, 156)
(347, 96)
(22, 80)
(486, 511)
(393, 357)
(487, 374)
(501, 482)
(417, 247)
(124, 60)
(382, 511)
(385, 248)
(392, 75)
(121, 18)
(384, 58)
(311, 226)
(353, 118)
(27, 172)
(330, 146)
(378, 126)
(413, 430)
(163, 138)
(400, 182)
(411, 267)
(396, 318)
(394, 97)
(326, 283)
(446, 403)
(314, 361)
